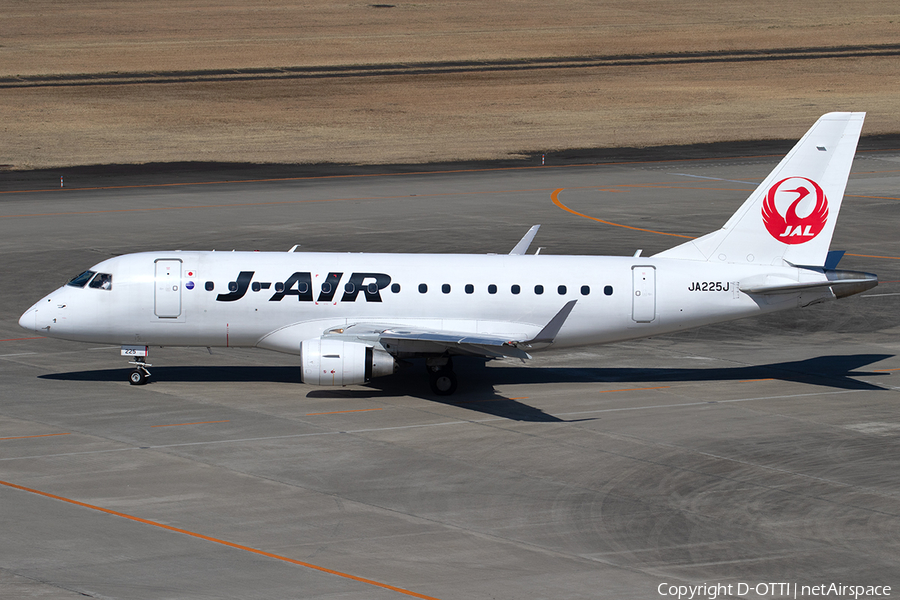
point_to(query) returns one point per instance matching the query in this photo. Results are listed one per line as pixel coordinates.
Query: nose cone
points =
(29, 319)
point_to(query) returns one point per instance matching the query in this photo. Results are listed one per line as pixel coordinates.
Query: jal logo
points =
(795, 210)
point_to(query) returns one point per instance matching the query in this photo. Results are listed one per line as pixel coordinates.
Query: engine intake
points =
(336, 362)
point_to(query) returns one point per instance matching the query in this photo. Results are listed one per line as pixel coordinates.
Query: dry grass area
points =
(431, 116)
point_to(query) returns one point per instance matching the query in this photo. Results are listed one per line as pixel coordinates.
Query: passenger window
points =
(326, 288)
(210, 286)
(423, 288)
(103, 281)
(395, 287)
(255, 286)
(279, 286)
(232, 286)
(538, 289)
(372, 288)
(492, 289)
(562, 290)
(585, 290)
(82, 279)
(445, 288)
(349, 288)
(608, 290)
(470, 289)
(515, 288)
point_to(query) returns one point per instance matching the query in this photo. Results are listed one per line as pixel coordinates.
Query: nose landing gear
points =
(140, 374)
(137, 353)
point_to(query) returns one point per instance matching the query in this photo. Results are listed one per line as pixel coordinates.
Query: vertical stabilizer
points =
(791, 215)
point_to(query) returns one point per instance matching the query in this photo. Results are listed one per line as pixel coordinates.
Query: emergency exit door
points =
(167, 288)
(643, 299)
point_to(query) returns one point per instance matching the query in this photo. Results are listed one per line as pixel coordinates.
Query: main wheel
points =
(137, 377)
(443, 382)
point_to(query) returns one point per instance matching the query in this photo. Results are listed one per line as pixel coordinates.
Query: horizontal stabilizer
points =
(842, 284)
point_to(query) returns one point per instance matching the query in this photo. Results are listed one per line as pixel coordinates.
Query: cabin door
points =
(643, 300)
(167, 288)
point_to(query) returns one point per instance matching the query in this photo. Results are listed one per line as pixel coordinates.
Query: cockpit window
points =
(103, 281)
(82, 279)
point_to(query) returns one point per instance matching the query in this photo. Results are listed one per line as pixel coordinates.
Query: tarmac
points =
(760, 452)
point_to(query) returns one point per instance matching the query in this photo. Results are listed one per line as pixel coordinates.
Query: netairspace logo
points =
(711, 591)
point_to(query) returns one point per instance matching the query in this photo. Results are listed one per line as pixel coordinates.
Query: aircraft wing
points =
(428, 342)
(522, 246)
(400, 340)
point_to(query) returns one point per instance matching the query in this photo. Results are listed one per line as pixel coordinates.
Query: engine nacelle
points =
(336, 362)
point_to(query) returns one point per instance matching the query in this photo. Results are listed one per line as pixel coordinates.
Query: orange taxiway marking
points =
(555, 198)
(218, 541)
(873, 256)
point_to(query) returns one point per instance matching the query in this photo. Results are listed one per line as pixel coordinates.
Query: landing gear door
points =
(167, 288)
(643, 307)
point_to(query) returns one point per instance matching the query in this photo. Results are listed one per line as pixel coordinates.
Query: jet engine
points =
(336, 362)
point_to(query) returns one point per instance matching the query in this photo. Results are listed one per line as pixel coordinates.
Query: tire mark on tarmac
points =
(447, 67)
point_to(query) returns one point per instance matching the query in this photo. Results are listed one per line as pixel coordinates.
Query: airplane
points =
(354, 317)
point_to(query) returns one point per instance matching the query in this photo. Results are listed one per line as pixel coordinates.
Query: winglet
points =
(548, 333)
(522, 246)
(833, 258)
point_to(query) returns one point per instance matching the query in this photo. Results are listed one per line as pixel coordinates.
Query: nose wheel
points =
(140, 374)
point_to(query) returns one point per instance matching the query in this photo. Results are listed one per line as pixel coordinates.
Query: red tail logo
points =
(789, 227)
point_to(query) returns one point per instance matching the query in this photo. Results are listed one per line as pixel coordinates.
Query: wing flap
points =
(399, 340)
(492, 347)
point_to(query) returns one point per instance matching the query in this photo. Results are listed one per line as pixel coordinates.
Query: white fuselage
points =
(350, 317)
(163, 298)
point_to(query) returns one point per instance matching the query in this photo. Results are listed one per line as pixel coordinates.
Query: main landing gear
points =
(441, 376)
(140, 374)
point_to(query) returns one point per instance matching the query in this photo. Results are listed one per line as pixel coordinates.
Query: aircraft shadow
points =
(189, 374)
(836, 371)
(477, 383)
